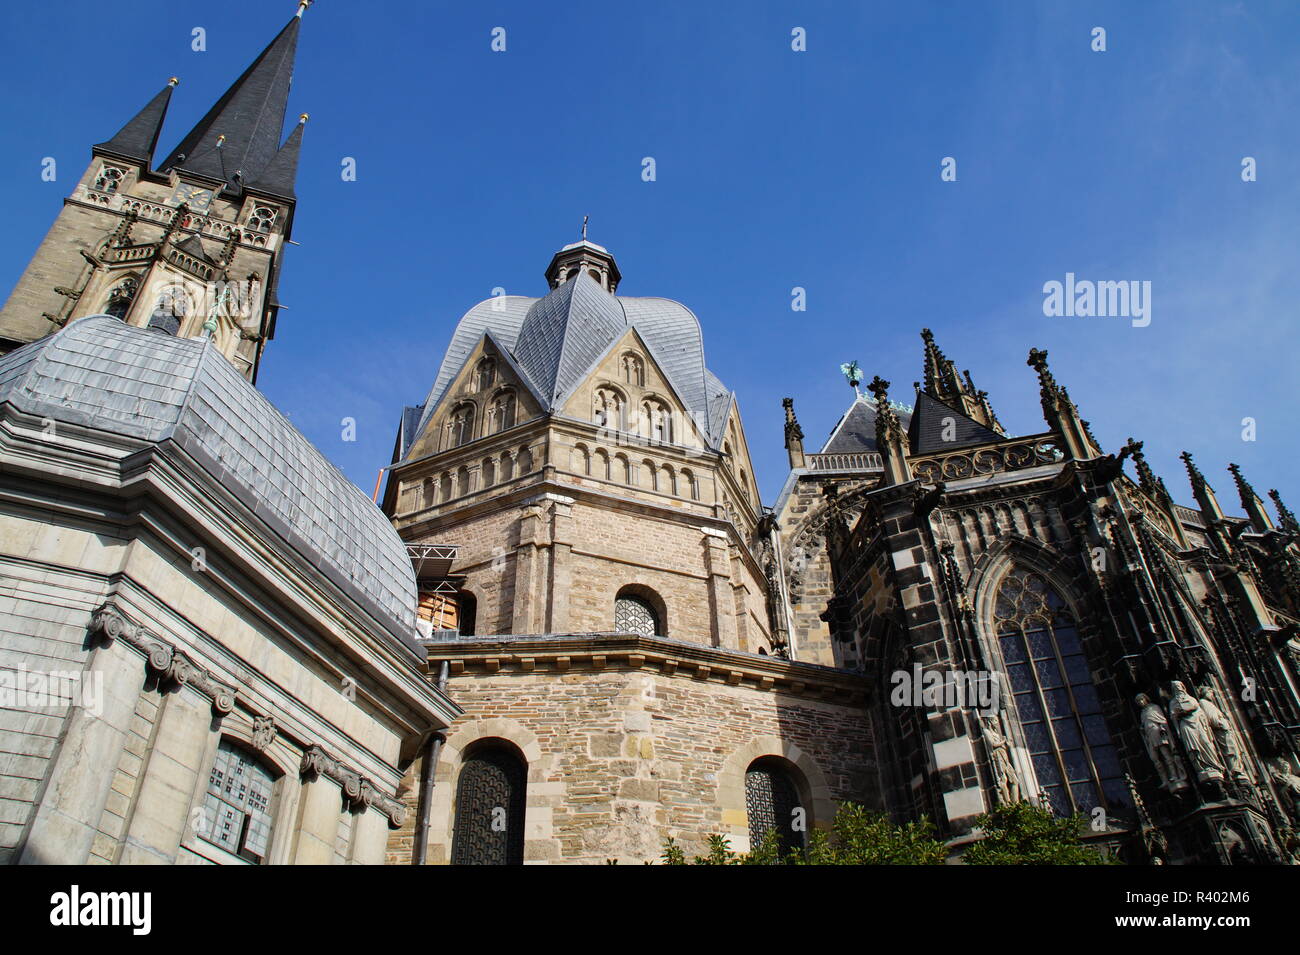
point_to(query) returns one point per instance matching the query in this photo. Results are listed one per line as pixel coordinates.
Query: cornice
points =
(557, 654)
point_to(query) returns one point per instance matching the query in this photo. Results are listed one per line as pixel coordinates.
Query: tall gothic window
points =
(237, 807)
(262, 218)
(609, 409)
(1054, 697)
(633, 369)
(634, 614)
(120, 299)
(490, 798)
(771, 802)
(486, 374)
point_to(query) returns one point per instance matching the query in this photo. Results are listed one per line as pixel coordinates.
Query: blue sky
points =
(775, 169)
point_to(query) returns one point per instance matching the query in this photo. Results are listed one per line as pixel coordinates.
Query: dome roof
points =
(105, 375)
(557, 340)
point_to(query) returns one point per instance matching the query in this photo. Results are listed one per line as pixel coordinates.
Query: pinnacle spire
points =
(139, 137)
(240, 136)
(1250, 501)
(957, 391)
(1289, 523)
(278, 177)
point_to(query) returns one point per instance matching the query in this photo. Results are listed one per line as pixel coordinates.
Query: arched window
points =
(489, 471)
(580, 460)
(462, 481)
(649, 475)
(460, 426)
(486, 374)
(609, 410)
(507, 466)
(633, 370)
(121, 297)
(237, 806)
(602, 464)
(525, 458)
(429, 492)
(445, 486)
(491, 795)
(622, 469)
(1055, 700)
(173, 305)
(633, 613)
(467, 605)
(109, 178)
(656, 421)
(501, 413)
(772, 804)
(690, 487)
(670, 480)
(262, 218)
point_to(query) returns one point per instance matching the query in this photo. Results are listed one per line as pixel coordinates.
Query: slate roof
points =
(139, 137)
(556, 340)
(250, 115)
(856, 429)
(925, 430)
(103, 374)
(277, 179)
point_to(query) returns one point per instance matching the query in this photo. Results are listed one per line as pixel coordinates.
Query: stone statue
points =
(1004, 772)
(1193, 729)
(1159, 742)
(1224, 733)
(1289, 784)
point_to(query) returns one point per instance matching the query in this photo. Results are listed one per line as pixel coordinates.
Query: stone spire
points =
(1259, 519)
(137, 140)
(240, 136)
(277, 179)
(1154, 487)
(890, 439)
(793, 435)
(1288, 520)
(943, 383)
(1060, 413)
(1209, 505)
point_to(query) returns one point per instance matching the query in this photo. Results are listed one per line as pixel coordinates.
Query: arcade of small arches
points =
(491, 471)
(465, 422)
(619, 468)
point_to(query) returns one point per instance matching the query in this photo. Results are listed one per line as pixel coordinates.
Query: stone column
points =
(319, 808)
(169, 779)
(69, 813)
(369, 837)
(722, 609)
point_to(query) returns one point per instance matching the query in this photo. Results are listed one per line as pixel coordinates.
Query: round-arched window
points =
(772, 805)
(634, 614)
(491, 798)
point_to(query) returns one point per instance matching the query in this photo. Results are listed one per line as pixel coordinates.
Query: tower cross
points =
(584, 228)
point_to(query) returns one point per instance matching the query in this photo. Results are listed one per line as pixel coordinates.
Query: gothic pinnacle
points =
(1288, 520)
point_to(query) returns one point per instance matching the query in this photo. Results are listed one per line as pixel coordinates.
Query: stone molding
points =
(164, 660)
(357, 789)
(627, 651)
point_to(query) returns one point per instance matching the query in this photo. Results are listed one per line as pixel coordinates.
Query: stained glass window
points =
(771, 801)
(634, 615)
(490, 799)
(1074, 760)
(237, 808)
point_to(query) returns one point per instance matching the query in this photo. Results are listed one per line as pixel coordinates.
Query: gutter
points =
(432, 748)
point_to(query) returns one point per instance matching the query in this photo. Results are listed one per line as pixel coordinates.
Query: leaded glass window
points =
(634, 615)
(490, 799)
(1074, 760)
(771, 802)
(237, 807)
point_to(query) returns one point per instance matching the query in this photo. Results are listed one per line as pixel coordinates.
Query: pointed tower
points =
(1254, 507)
(958, 392)
(190, 248)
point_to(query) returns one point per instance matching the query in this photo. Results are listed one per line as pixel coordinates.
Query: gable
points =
(935, 427)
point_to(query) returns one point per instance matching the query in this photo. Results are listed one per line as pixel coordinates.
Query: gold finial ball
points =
(303, 117)
(174, 81)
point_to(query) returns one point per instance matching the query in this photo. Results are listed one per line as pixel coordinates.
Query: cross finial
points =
(879, 387)
(584, 228)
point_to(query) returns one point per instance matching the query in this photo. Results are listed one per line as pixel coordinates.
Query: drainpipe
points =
(430, 763)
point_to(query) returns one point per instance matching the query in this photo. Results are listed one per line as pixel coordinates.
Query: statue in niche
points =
(1224, 733)
(1289, 785)
(1159, 740)
(1194, 730)
(1004, 771)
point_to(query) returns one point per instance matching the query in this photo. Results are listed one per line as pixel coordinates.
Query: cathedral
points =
(570, 628)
